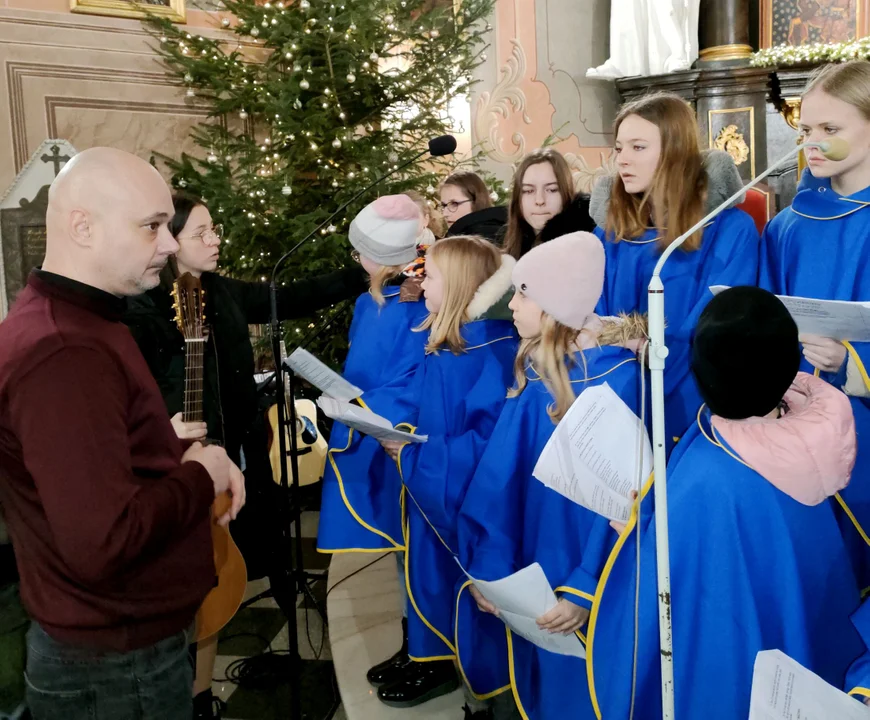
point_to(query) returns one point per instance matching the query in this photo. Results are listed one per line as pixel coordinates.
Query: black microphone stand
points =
(296, 573)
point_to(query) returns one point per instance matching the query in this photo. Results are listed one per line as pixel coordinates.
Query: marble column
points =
(723, 30)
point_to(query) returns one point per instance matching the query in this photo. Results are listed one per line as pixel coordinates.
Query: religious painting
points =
(172, 9)
(801, 22)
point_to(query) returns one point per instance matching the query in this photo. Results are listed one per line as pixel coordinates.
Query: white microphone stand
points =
(658, 351)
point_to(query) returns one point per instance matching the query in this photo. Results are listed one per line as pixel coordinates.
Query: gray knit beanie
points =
(387, 230)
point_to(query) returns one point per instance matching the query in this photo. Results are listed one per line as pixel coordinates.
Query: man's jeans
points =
(71, 683)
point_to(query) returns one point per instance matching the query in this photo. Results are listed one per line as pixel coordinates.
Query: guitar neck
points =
(194, 351)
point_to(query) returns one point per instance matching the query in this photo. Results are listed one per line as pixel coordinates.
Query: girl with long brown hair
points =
(664, 184)
(460, 388)
(509, 519)
(543, 203)
(818, 248)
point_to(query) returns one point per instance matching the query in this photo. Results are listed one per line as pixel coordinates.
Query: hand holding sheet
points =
(365, 421)
(782, 689)
(521, 599)
(591, 457)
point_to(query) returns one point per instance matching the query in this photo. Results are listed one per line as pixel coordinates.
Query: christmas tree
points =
(309, 103)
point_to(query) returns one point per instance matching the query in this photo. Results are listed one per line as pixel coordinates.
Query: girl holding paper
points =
(361, 506)
(757, 558)
(461, 386)
(663, 186)
(510, 519)
(818, 248)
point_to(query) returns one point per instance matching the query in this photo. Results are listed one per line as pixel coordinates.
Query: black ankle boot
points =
(477, 714)
(392, 668)
(421, 682)
(207, 707)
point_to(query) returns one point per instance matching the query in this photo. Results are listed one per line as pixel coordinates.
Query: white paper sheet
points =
(591, 457)
(828, 318)
(521, 599)
(782, 689)
(325, 379)
(365, 421)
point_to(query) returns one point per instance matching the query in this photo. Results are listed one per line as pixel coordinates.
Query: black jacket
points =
(230, 407)
(488, 223)
(573, 218)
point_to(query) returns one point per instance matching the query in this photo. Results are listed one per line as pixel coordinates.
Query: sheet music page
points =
(782, 689)
(365, 421)
(835, 319)
(324, 378)
(591, 457)
(521, 599)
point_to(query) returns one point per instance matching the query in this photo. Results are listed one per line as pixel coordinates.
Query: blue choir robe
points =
(510, 520)
(361, 501)
(461, 397)
(819, 248)
(728, 256)
(751, 569)
(858, 678)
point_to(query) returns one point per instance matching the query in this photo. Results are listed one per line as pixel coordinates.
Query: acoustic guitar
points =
(224, 599)
(311, 446)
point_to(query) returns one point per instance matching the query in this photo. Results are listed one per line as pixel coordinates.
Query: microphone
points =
(444, 145)
(834, 148)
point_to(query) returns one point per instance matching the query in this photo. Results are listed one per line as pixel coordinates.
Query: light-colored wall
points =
(88, 79)
(533, 85)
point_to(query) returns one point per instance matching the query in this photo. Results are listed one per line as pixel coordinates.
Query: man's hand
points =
(237, 492)
(824, 353)
(214, 459)
(393, 448)
(565, 618)
(188, 430)
(483, 604)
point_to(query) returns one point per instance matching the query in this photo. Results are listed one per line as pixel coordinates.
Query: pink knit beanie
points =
(565, 276)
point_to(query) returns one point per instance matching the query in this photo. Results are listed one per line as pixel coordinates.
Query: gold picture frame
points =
(174, 10)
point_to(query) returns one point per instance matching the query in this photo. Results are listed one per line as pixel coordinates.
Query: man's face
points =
(130, 233)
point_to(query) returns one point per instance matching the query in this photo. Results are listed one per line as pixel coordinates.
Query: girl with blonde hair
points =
(510, 519)
(818, 248)
(360, 506)
(460, 386)
(664, 185)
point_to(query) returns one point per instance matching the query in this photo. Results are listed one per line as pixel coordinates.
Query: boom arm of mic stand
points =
(658, 352)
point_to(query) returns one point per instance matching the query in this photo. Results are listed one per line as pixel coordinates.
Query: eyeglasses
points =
(453, 205)
(354, 255)
(212, 235)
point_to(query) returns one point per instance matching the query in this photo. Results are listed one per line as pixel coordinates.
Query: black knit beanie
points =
(745, 353)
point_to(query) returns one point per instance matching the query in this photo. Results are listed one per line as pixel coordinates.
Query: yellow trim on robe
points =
(353, 512)
(860, 692)
(861, 206)
(584, 380)
(599, 592)
(856, 358)
(474, 347)
(488, 695)
(512, 675)
(573, 591)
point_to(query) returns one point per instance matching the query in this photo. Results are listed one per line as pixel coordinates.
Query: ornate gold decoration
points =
(506, 98)
(791, 111)
(736, 51)
(172, 9)
(730, 139)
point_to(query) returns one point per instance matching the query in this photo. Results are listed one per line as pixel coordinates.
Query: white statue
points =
(650, 37)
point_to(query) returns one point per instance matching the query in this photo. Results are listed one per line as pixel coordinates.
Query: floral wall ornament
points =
(505, 99)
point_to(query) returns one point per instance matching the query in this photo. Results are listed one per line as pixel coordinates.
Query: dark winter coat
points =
(488, 223)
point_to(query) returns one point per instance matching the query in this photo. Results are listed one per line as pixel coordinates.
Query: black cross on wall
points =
(55, 158)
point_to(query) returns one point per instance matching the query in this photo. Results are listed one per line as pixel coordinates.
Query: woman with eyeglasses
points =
(468, 208)
(230, 404)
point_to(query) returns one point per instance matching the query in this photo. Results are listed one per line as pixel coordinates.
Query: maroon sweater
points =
(111, 532)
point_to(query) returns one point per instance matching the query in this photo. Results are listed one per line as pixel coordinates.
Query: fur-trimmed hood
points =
(492, 293)
(723, 180)
(626, 330)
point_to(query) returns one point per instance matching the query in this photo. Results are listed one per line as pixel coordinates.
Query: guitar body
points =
(222, 603)
(224, 599)
(310, 457)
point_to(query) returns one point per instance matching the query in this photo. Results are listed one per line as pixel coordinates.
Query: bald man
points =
(109, 517)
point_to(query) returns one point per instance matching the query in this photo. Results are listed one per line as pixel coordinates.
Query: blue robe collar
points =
(599, 361)
(483, 332)
(817, 200)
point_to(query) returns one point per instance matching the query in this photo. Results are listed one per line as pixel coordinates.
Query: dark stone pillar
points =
(723, 33)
